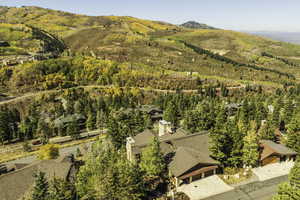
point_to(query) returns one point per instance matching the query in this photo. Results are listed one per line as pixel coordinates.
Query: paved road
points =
(265, 193)
(34, 94)
(253, 191)
(62, 151)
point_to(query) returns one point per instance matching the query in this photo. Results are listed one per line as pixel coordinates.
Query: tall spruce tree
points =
(267, 132)
(61, 190)
(107, 174)
(4, 127)
(290, 190)
(251, 148)
(101, 119)
(152, 161)
(43, 130)
(91, 121)
(73, 130)
(171, 113)
(294, 175)
(293, 133)
(41, 187)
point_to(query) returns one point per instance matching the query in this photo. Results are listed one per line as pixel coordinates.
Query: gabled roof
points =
(190, 149)
(186, 158)
(62, 120)
(198, 141)
(143, 138)
(150, 108)
(15, 184)
(275, 148)
(179, 133)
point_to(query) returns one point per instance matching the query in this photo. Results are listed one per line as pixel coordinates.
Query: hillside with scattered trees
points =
(62, 74)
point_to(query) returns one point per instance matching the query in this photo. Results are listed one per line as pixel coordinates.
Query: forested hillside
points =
(145, 46)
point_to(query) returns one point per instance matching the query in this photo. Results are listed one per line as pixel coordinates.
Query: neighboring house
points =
(63, 121)
(154, 112)
(188, 155)
(272, 152)
(4, 44)
(232, 108)
(14, 185)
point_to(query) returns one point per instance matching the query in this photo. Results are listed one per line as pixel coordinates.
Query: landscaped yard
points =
(235, 175)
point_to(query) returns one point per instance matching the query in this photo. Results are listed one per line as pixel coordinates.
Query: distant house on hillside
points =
(14, 185)
(4, 44)
(63, 121)
(188, 154)
(153, 112)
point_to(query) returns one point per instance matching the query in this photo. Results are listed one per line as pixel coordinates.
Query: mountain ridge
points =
(196, 25)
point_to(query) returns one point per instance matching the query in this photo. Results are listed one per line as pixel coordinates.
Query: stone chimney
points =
(164, 128)
(129, 143)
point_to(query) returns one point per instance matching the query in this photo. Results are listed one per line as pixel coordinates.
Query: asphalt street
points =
(62, 151)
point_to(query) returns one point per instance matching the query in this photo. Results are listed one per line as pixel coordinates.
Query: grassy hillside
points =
(148, 46)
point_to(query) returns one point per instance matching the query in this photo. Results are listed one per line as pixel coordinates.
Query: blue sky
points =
(251, 15)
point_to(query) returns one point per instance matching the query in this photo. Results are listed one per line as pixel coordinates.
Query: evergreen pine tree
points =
(118, 129)
(41, 187)
(91, 121)
(171, 113)
(291, 189)
(287, 112)
(293, 133)
(115, 178)
(4, 128)
(260, 113)
(101, 119)
(152, 162)
(267, 132)
(235, 157)
(61, 190)
(286, 192)
(43, 130)
(251, 148)
(78, 107)
(294, 175)
(73, 130)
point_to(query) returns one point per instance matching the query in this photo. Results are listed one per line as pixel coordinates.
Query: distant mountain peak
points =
(196, 25)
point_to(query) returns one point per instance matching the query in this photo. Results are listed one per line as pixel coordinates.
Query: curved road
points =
(62, 151)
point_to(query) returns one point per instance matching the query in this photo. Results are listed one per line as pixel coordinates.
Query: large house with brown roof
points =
(188, 154)
(16, 184)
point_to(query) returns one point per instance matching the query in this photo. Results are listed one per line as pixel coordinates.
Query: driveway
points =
(273, 170)
(206, 187)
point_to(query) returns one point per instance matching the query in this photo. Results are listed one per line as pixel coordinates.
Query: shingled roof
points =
(275, 148)
(190, 149)
(14, 185)
(186, 158)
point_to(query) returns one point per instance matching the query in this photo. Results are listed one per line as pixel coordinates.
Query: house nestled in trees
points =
(188, 155)
(154, 112)
(4, 44)
(63, 121)
(272, 152)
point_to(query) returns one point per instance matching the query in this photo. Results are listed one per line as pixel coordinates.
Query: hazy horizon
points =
(257, 15)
